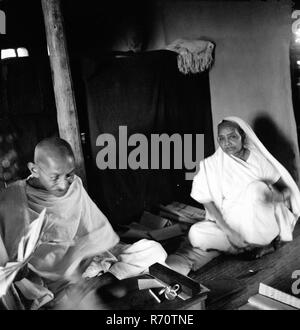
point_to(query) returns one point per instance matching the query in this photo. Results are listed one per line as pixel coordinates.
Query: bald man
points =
(76, 229)
(53, 169)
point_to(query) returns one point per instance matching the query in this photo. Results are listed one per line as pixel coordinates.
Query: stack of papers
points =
(182, 212)
(152, 227)
(26, 248)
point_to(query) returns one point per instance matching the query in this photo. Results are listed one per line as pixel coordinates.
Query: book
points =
(26, 248)
(283, 297)
(153, 221)
(261, 302)
(151, 226)
(166, 233)
(269, 298)
(182, 212)
(136, 231)
(176, 217)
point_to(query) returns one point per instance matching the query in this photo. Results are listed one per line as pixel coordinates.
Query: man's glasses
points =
(56, 178)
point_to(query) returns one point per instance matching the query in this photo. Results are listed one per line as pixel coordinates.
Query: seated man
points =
(75, 229)
(250, 199)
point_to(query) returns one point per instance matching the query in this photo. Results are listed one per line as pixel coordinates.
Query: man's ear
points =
(33, 168)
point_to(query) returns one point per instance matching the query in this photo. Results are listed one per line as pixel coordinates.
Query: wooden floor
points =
(227, 279)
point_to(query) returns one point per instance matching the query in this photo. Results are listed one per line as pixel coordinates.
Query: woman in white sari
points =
(249, 197)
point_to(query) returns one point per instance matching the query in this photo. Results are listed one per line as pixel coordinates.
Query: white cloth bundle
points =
(193, 55)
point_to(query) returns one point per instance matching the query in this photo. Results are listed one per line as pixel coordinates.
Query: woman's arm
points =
(282, 188)
(280, 192)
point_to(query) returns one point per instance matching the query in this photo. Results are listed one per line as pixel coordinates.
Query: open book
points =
(269, 298)
(26, 248)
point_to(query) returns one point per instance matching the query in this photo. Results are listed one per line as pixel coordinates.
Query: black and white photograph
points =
(149, 158)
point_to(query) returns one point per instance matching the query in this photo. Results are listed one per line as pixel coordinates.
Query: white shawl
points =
(76, 229)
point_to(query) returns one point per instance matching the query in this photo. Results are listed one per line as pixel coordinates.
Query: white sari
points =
(238, 188)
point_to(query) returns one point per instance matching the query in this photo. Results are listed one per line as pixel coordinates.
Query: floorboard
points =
(223, 275)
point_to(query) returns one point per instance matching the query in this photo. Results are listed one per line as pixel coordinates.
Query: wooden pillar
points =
(62, 81)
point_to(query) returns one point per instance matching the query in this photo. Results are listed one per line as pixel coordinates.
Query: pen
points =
(154, 296)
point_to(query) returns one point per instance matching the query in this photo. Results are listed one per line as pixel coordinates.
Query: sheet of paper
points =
(149, 284)
(26, 248)
(6, 278)
(29, 242)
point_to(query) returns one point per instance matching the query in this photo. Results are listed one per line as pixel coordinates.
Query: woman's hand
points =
(276, 196)
(279, 192)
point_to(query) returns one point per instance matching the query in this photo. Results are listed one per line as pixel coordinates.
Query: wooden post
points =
(62, 81)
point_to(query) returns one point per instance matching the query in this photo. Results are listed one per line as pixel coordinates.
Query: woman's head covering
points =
(232, 124)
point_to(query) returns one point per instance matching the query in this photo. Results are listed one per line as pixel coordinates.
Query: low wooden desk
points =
(142, 300)
(226, 277)
(86, 297)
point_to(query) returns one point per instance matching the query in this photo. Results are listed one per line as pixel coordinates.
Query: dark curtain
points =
(27, 104)
(146, 93)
